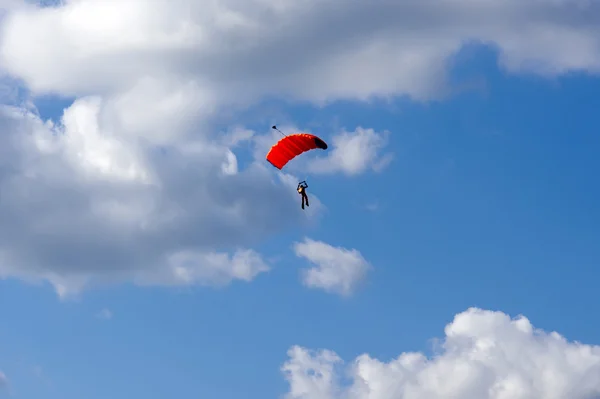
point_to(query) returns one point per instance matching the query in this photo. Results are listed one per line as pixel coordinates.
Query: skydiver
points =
(302, 186)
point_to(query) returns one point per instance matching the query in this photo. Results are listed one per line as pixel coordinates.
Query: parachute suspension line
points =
(274, 127)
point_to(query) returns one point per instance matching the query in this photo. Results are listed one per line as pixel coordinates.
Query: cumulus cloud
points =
(236, 136)
(134, 183)
(353, 153)
(8, 5)
(485, 355)
(350, 153)
(337, 270)
(81, 204)
(236, 51)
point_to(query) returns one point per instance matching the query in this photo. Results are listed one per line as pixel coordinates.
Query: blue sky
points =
(491, 201)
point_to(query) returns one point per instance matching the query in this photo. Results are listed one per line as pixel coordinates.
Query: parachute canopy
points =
(291, 146)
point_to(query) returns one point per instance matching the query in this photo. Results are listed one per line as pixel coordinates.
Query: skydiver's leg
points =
(303, 202)
(306, 196)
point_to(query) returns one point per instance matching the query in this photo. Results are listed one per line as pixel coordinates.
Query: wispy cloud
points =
(104, 314)
(4, 383)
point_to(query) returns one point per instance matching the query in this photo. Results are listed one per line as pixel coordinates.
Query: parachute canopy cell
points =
(291, 146)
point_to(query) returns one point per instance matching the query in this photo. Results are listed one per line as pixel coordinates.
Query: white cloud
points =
(9, 5)
(214, 268)
(3, 381)
(485, 355)
(373, 206)
(337, 270)
(82, 204)
(349, 153)
(234, 52)
(104, 314)
(353, 153)
(135, 175)
(236, 136)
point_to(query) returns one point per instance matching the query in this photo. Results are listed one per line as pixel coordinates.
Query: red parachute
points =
(291, 146)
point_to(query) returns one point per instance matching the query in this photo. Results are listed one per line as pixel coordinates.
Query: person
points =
(302, 186)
